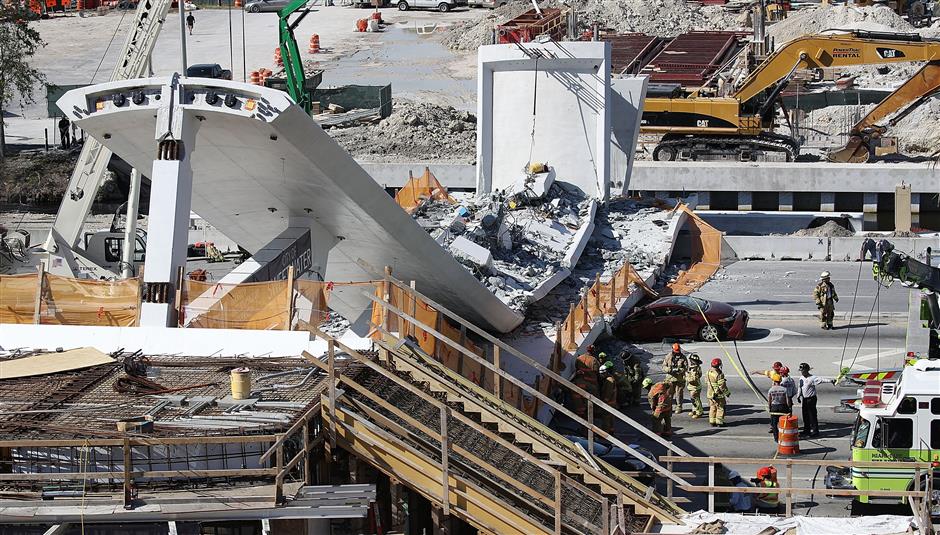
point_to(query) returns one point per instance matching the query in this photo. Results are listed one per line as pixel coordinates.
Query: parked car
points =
(208, 70)
(680, 316)
(258, 6)
(442, 6)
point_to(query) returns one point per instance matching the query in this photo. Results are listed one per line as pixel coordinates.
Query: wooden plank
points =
(800, 491)
(47, 363)
(301, 423)
(92, 442)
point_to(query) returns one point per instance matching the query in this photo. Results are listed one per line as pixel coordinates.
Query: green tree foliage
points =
(19, 42)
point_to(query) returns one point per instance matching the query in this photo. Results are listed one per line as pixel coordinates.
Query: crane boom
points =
(93, 162)
(290, 52)
(889, 265)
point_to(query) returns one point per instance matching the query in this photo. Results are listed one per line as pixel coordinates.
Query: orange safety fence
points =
(69, 301)
(311, 302)
(418, 190)
(254, 305)
(705, 255)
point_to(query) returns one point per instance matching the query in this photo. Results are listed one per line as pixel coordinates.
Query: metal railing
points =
(447, 447)
(918, 494)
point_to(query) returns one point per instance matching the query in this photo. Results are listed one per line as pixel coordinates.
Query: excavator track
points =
(741, 147)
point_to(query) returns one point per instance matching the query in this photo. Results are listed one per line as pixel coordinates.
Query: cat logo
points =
(702, 123)
(889, 53)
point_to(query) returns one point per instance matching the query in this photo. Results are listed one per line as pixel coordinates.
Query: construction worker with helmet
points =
(660, 398)
(585, 377)
(778, 404)
(608, 389)
(775, 368)
(693, 379)
(825, 296)
(787, 382)
(676, 364)
(768, 502)
(717, 393)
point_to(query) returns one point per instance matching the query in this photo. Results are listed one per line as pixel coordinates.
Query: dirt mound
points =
(413, 132)
(830, 229)
(655, 17)
(471, 34)
(815, 20)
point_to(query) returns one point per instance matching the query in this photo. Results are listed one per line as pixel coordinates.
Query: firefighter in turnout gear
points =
(608, 394)
(639, 378)
(585, 377)
(660, 398)
(717, 393)
(676, 364)
(624, 381)
(693, 380)
(825, 296)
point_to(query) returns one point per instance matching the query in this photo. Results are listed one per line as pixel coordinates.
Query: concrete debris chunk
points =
(464, 249)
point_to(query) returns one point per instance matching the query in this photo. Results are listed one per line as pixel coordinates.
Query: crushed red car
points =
(680, 316)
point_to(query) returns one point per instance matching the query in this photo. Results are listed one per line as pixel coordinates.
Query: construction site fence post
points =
(290, 298)
(38, 304)
(496, 378)
(557, 502)
(711, 483)
(308, 474)
(331, 348)
(128, 467)
(445, 459)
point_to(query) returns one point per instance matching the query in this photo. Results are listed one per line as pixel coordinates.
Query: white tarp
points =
(738, 524)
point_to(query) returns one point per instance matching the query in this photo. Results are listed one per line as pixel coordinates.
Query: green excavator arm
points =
(290, 53)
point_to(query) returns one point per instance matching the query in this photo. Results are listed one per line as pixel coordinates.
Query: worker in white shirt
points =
(807, 396)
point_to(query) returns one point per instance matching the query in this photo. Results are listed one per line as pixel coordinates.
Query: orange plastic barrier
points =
(255, 77)
(362, 25)
(314, 44)
(69, 301)
(418, 190)
(238, 3)
(788, 442)
(257, 305)
(277, 57)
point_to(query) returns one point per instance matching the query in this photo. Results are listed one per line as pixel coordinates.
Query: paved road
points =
(784, 328)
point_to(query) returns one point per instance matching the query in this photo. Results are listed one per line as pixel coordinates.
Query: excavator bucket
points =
(855, 151)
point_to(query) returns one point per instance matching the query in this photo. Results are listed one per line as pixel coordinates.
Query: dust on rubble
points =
(413, 132)
(830, 229)
(666, 18)
(815, 20)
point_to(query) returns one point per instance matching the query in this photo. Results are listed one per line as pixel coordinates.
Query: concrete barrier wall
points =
(847, 249)
(394, 175)
(778, 176)
(777, 247)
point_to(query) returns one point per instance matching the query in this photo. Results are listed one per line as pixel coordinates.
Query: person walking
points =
(717, 394)
(825, 296)
(807, 397)
(190, 22)
(693, 380)
(676, 364)
(585, 377)
(64, 137)
(608, 389)
(778, 404)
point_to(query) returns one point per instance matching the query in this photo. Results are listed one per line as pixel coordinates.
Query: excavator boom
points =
(742, 123)
(904, 99)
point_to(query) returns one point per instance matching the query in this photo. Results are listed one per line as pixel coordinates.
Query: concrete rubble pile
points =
(413, 132)
(625, 231)
(513, 242)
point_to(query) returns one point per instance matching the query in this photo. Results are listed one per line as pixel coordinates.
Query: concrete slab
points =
(255, 168)
(544, 102)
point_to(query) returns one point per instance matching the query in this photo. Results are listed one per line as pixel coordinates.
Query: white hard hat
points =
(733, 475)
(825, 274)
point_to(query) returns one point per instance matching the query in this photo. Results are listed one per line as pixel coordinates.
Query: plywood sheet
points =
(46, 363)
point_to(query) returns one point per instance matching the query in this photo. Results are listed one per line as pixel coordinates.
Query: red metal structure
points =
(691, 58)
(630, 52)
(529, 25)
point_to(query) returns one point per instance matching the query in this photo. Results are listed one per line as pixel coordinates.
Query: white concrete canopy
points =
(261, 161)
(568, 84)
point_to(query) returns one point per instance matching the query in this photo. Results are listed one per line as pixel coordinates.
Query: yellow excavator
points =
(741, 124)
